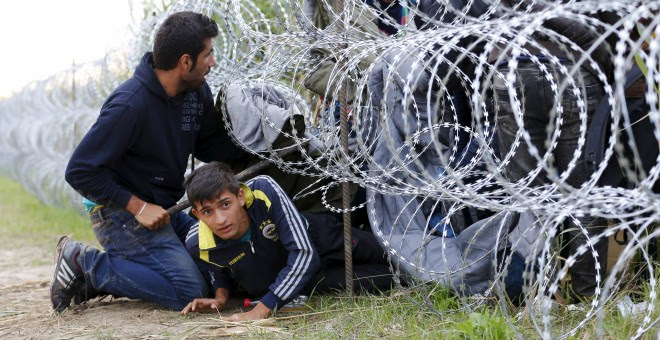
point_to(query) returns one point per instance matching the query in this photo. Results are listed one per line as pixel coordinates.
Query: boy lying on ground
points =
(251, 236)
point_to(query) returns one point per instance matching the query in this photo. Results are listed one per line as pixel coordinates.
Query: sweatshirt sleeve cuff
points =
(122, 198)
(220, 283)
(272, 301)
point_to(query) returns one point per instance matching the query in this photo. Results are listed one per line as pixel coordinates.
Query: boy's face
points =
(224, 214)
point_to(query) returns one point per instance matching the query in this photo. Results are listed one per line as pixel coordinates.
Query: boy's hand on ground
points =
(205, 305)
(260, 311)
(153, 217)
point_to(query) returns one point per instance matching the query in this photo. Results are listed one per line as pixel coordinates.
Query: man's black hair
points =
(208, 181)
(182, 33)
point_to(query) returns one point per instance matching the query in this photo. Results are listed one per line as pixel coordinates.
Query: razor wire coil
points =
(41, 125)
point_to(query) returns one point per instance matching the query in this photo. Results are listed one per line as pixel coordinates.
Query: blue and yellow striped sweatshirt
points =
(278, 261)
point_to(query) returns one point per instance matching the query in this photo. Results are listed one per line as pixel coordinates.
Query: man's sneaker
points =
(68, 277)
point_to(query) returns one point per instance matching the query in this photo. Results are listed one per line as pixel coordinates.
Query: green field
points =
(23, 218)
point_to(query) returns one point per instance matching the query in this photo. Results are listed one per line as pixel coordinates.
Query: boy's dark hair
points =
(208, 181)
(182, 33)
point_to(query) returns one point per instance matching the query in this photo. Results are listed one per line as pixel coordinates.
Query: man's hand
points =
(205, 305)
(151, 216)
(260, 311)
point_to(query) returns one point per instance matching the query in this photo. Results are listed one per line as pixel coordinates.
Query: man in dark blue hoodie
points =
(130, 168)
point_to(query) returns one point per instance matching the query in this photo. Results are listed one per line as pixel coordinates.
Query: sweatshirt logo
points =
(270, 232)
(236, 259)
(193, 109)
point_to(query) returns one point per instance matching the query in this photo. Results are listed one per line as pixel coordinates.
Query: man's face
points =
(195, 77)
(224, 215)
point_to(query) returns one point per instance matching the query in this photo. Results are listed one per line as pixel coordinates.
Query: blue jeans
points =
(142, 264)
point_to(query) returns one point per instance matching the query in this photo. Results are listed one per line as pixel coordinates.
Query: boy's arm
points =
(303, 260)
(220, 282)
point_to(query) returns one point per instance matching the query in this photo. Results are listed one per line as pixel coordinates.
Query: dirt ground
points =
(25, 311)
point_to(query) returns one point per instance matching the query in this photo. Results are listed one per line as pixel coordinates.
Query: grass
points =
(427, 312)
(23, 218)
